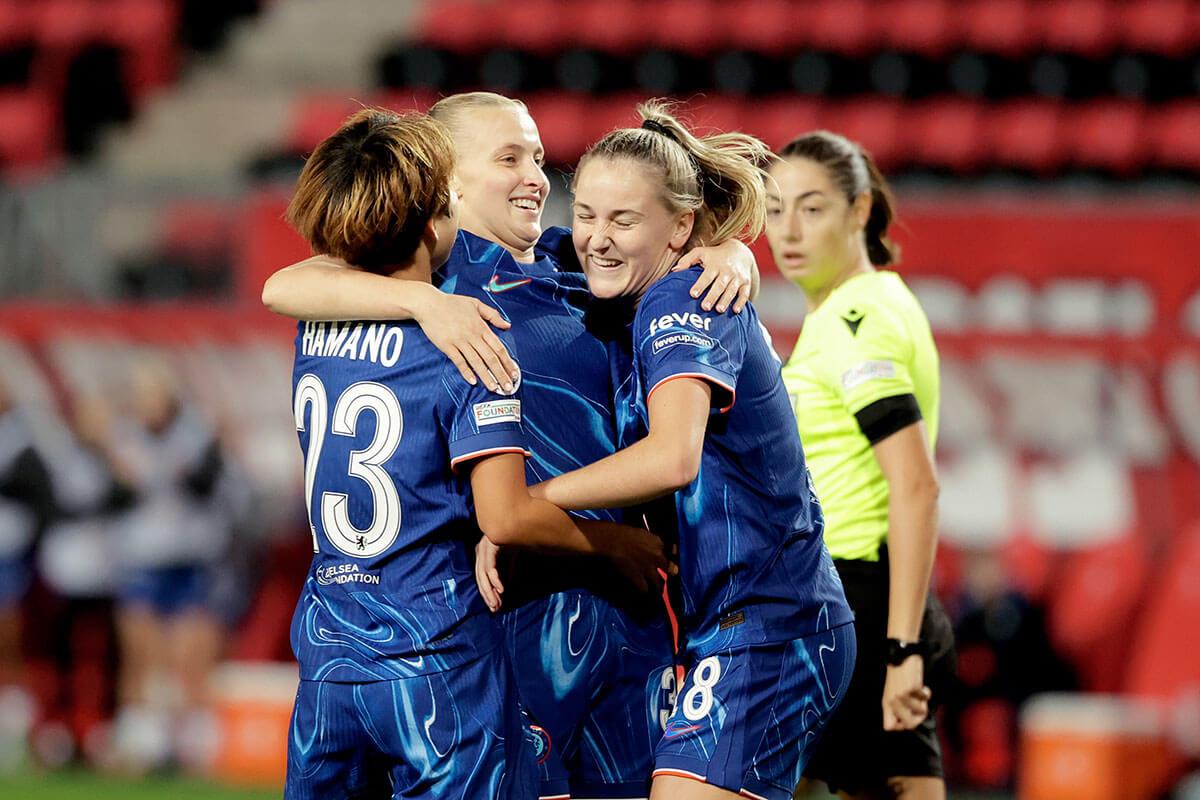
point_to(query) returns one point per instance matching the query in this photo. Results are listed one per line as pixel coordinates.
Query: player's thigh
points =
(747, 719)
(633, 695)
(330, 750)
(671, 787)
(455, 734)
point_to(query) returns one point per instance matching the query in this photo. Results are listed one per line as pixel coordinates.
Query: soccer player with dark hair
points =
(405, 690)
(864, 381)
(593, 655)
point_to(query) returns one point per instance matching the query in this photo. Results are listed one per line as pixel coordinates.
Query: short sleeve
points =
(478, 421)
(676, 338)
(866, 356)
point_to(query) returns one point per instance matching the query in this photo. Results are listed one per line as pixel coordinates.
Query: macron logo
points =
(681, 320)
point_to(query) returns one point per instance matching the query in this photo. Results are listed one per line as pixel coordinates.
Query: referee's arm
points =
(901, 446)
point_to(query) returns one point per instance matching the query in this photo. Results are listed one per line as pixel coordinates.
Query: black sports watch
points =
(899, 650)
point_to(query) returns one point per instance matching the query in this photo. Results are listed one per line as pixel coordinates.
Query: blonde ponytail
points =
(719, 177)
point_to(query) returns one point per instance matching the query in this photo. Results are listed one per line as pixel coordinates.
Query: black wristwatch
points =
(899, 650)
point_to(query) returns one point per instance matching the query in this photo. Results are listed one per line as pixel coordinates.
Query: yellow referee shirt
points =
(868, 341)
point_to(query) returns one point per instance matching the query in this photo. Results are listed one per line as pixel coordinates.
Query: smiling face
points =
(625, 235)
(815, 233)
(502, 188)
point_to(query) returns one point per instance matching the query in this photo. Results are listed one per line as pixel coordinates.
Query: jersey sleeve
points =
(866, 355)
(675, 338)
(478, 421)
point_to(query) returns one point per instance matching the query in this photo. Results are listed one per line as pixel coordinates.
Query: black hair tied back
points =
(659, 128)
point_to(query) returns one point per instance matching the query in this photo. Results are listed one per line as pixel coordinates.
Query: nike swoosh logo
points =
(495, 286)
(672, 732)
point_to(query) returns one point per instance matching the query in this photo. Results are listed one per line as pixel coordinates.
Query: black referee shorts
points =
(855, 754)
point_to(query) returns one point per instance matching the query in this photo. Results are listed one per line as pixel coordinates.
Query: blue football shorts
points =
(748, 719)
(452, 735)
(598, 681)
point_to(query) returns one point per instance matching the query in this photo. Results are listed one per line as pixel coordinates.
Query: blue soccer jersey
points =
(753, 565)
(383, 416)
(593, 662)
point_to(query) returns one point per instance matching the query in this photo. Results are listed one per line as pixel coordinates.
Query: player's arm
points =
(665, 461)
(509, 516)
(909, 469)
(730, 275)
(326, 288)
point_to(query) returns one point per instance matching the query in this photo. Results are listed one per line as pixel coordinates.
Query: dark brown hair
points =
(853, 172)
(718, 176)
(368, 191)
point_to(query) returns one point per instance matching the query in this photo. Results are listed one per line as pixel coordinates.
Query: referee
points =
(864, 382)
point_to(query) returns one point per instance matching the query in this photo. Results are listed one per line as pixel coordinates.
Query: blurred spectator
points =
(169, 545)
(1004, 656)
(76, 565)
(26, 504)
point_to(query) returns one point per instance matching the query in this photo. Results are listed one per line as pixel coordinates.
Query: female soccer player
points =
(704, 415)
(594, 660)
(404, 689)
(864, 378)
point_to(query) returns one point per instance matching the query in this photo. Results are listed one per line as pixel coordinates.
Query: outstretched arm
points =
(323, 288)
(508, 515)
(666, 460)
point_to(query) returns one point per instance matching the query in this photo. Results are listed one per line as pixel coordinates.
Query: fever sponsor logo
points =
(680, 321)
(682, 338)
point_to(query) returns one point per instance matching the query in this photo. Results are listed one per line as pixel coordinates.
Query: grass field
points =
(80, 785)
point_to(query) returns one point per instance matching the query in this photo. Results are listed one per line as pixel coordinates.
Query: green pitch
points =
(79, 785)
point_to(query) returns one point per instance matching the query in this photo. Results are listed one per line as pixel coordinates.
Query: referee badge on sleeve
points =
(867, 371)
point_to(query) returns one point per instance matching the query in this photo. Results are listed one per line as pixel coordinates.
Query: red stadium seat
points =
(316, 116)
(1164, 658)
(461, 26)
(873, 122)
(70, 24)
(683, 25)
(946, 133)
(18, 22)
(1110, 136)
(610, 26)
(1082, 27)
(840, 26)
(537, 26)
(29, 136)
(197, 230)
(778, 120)
(607, 113)
(146, 29)
(1003, 27)
(1027, 135)
(1174, 139)
(1094, 601)
(761, 26)
(560, 119)
(1167, 27)
(916, 26)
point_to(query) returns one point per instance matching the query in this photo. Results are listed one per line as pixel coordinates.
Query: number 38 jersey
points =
(383, 418)
(752, 562)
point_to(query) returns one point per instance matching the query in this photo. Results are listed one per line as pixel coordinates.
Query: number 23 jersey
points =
(383, 418)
